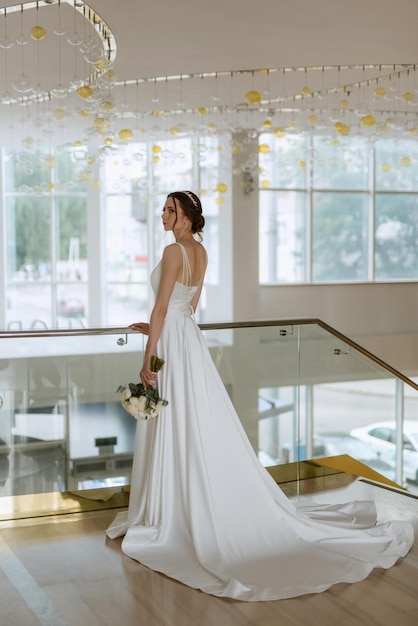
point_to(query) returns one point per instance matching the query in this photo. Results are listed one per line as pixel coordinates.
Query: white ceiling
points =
(333, 44)
(166, 37)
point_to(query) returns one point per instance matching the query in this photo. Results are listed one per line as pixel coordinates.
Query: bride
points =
(224, 526)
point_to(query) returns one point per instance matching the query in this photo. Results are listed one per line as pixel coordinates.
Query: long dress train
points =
(203, 510)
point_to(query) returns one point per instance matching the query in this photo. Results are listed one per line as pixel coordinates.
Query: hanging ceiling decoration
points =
(58, 88)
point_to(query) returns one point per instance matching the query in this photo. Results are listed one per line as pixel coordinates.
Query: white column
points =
(96, 254)
(245, 232)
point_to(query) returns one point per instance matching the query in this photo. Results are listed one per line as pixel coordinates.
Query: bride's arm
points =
(141, 327)
(170, 266)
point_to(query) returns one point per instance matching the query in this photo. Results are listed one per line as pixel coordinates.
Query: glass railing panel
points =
(299, 390)
(61, 423)
(355, 401)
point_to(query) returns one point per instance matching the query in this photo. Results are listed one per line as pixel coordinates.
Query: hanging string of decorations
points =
(60, 46)
(58, 59)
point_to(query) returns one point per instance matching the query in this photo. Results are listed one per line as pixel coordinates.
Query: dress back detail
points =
(183, 291)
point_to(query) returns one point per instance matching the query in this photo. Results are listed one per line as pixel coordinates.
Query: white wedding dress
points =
(204, 511)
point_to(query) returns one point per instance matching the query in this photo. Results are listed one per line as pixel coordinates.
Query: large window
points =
(81, 240)
(335, 210)
(133, 207)
(45, 217)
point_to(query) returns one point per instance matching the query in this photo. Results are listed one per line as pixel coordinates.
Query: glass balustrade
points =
(301, 390)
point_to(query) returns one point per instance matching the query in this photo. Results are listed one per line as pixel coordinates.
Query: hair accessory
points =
(191, 197)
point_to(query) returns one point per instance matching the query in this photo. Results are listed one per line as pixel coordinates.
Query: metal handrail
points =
(113, 330)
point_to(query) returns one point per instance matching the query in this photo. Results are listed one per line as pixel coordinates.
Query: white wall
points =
(382, 317)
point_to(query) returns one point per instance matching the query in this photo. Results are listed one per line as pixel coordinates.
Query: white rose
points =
(139, 403)
(126, 393)
(130, 408)
(142, 403)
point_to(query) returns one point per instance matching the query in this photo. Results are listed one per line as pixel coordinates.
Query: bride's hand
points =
(148, 378)
(141, 327)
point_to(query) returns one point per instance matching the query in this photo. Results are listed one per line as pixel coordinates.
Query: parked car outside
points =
(381, 436)
(336, 443)
(71, 308)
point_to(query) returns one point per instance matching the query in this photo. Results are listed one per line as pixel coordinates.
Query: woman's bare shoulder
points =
(172, 250)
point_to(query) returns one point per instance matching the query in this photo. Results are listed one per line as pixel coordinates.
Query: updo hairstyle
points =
(192, 208)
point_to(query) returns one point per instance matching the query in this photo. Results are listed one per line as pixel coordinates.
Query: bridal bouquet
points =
(140, 402)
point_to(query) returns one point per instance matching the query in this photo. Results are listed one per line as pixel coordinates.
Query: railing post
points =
(399, 417)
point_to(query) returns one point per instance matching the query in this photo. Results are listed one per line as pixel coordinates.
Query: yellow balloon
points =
(385, 167)
(380, 92)
(343, 129)
(84, 113)
(78, 143)
(126, 134)
(265, 184)
(302, 165)
(85, 91)
(279, 132)
(155, 159)
(408, 96)
(367, 120)
(50, 185)
(50, 162)
(85, 175)
(101, 65)
(27, 142)
(306, 91)
(37, 32)
(253, 97)
(267, 124)
(107, 106)
(202, 110)
(59, 114)
(345, 102)
(221, 187)
(110, 75)
(413, 130)
(405, 162)
(156, 149)
(220, 200)
(264, 148)
(108, 141)
(312, 119)
(101, 124)
(236, 149)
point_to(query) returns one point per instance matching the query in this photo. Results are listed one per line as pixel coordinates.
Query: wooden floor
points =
(61, 570)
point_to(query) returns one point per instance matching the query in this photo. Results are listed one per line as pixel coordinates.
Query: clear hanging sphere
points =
(39, 92)
(75, 38)
(6, 42)
(59, 91)
(59, 30)
(23, 84)
(94, 57)
(22, 40)
(88, 44)
(6, 97)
